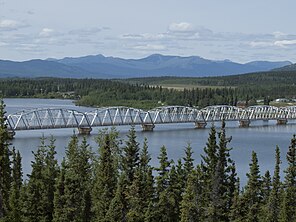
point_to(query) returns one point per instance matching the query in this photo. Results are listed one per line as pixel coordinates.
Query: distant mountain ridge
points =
(99, 66)
(291, 67)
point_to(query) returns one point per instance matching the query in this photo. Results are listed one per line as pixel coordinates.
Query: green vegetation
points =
(147, 93)
(119, 183)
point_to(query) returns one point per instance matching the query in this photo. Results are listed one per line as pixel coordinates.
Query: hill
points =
(99, 66)
(291, 67)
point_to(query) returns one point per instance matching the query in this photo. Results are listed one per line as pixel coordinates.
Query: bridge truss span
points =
(131, 116)
(223, 112)
(50, 118)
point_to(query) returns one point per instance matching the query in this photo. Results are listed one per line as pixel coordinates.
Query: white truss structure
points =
(113, 116)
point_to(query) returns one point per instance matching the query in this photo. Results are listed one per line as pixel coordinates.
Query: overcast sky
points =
(215, 29)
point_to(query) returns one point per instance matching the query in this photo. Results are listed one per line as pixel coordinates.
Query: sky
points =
(241, 31)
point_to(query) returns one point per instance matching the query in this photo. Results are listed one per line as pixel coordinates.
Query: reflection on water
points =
(261, 136)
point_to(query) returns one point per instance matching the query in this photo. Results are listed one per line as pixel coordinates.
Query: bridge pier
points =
(244, 123)
(147, 127)
(281, 121)
(84, 130)
(200, 124)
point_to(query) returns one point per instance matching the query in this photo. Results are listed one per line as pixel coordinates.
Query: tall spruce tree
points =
(190, 206)
(105, 179)
(266, 187)
(76, 186)
(131, 159)
(289, 203)
(146, 176)
(50, 176)
(162, 184)
(36, 200)
(162, 179)
(188, 161)
(60, 214)
(118, 207)
(15, 202)
(274, 202)
(252, 198)
(222, 183)
(5, 168)
(208, 166)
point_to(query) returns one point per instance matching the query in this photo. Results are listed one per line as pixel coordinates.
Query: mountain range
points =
(99, 66)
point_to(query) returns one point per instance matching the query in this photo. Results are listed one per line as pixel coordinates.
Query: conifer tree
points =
(266, 187)
(5, 168)
(50, 175)
(105, 179)
(162, 184)
(252, 196)
(77, 180)
(131, 157)
(274, 202)
(208, 166)
(15, 191)
(118, 207)
(60, 214)
(190, 210)
(146, 176)
(236, 207)
(35, 205)
(289, 203)
(162, 179)
(222, 183)
(174, 194)
(151, 214)
(135, 211)
(39, 205)
(188, 161)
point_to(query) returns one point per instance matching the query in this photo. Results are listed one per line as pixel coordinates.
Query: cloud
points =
(3, 44)
(181, 27)
(86, 32)
(145, 36)
(285, 43)
(46, 32)
(150, 47)
(9, 25)
(261, 44)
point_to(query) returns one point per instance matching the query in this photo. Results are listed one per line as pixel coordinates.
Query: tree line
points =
(100, 93)
(117, 183)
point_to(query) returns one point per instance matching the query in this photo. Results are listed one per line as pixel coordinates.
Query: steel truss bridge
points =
(51, 118)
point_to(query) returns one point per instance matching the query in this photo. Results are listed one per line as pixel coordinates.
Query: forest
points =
(148, 93)
(115, 182)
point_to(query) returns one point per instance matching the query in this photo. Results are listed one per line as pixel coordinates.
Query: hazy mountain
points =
(99, 66)
(39, 68)
(291, 67)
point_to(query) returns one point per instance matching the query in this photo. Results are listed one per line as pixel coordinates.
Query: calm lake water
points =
(261, 137)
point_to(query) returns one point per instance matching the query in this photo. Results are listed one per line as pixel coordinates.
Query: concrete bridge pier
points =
(84, 130)
(281, 121)
(200, 124)
(244, 123)
(147, 127)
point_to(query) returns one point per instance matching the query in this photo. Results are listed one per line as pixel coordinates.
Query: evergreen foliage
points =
(119, 186)
(104, 180)
(289, 205)
(14, 214)
(5, 164)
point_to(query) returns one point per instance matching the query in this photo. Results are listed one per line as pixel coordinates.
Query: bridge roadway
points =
(50, 118)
